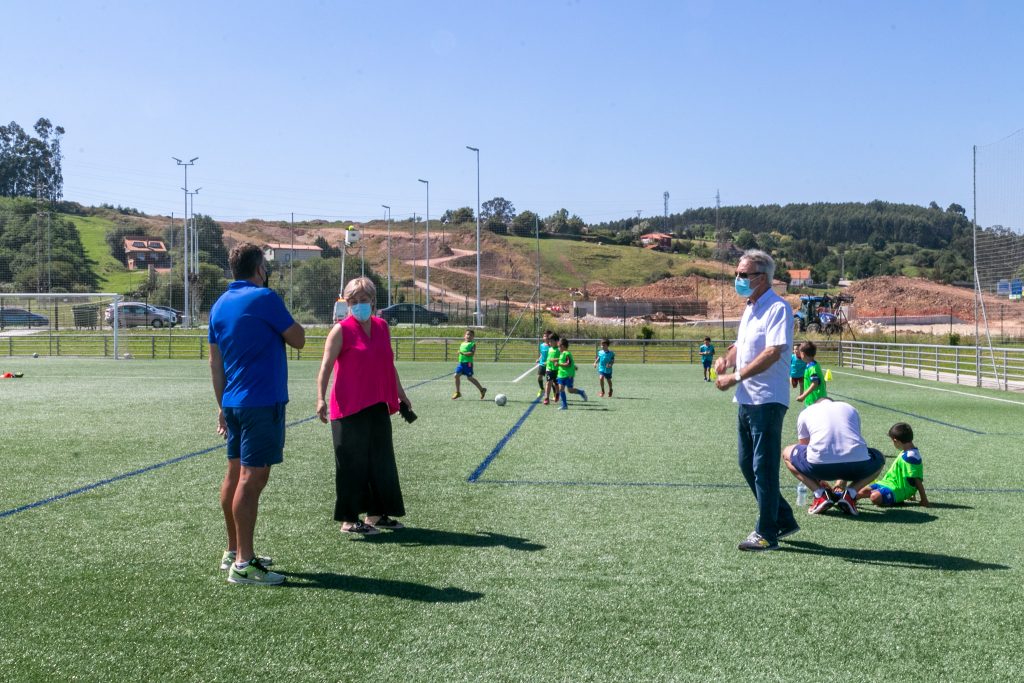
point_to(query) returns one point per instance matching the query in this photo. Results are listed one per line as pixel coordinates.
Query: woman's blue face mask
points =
(361, 312)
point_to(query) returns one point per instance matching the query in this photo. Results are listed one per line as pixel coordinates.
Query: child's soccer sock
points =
(565, 403)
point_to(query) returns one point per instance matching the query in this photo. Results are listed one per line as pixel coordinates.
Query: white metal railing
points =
(999, 368)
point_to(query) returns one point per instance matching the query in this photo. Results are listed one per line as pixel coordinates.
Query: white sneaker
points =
(254, 573)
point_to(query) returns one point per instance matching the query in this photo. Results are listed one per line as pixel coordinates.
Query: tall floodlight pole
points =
(427, 183)
(187, 322)
(388, 208)
(475, 149)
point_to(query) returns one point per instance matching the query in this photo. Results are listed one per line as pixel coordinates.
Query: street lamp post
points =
(389, 250)
(187, 322)
(427, 183)
(474, 149)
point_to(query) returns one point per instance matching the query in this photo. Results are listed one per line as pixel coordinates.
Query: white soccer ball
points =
(500, 399)
(35, 355)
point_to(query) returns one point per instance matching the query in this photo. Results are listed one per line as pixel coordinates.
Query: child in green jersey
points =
(567, 373)
(551, 368)
(467, 349)
(904, 478)
(814, 378)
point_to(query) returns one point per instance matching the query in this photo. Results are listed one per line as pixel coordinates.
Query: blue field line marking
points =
(478, 472)
(904, 412)
(156, 466)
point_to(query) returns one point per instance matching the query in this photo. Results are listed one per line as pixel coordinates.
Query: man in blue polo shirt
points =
(249, 326)
(761, 378)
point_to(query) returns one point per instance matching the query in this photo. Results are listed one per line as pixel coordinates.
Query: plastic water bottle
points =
(801, 494)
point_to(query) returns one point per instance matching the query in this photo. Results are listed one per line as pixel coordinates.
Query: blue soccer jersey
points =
(605, 360)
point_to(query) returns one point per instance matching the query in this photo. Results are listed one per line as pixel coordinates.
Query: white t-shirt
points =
(833, 432)
(766, 322)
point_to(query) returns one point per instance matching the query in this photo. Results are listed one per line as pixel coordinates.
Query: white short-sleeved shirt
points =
(765, 322)
(832, 429)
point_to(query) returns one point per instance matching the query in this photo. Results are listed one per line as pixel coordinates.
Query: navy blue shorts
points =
(888, 497)
(851, 471)
(464, 369)
(565, 382)
(606, 375)
(706, 363)
(256, 435)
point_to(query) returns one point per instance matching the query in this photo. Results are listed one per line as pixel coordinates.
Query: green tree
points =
(562, 223)
(326, 250)
(525, 224)
(31, 166)
(456, 216)
(745, 239)
(497, 210)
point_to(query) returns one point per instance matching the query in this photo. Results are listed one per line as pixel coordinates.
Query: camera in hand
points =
(406, 412)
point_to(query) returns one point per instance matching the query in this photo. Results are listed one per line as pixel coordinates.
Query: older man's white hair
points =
(762, 261)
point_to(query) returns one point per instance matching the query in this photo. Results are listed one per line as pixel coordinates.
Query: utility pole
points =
(666, 209)
(388, 209)
(187, 322)
(427, 183)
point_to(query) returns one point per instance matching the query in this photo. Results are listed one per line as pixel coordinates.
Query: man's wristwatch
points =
(737, 376)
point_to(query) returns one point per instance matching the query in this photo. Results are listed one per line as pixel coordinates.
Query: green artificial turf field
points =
(597, 544)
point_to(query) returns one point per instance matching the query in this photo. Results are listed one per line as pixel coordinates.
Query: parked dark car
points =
(19, 317)
(407, 313)
(135, 313)
(178, 315)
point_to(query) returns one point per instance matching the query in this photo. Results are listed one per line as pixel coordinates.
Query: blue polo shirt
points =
(246, 324)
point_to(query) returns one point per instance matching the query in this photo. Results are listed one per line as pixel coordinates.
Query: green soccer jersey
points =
(566, 370)
(907, 466)
(812, 372)
(466, 350)
(552, 363)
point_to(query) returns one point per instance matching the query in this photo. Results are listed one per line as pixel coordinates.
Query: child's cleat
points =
(546, 401)
(755, 542)
(563, 408)
(847, 503)
(230, 556)
(584, 395)
(601, 394)
(254, 573)
(456, 395)
(540, 392)
(609, 393)
(483, 392)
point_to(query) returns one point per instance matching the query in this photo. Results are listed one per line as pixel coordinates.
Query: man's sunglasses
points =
(742, 274)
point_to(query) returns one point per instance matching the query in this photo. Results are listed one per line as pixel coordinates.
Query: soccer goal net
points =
(64, 324)
(999, 236)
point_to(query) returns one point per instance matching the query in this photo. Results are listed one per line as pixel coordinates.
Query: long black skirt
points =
(365, 473)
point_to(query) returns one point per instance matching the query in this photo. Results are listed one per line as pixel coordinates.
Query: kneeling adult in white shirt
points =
(831, 448)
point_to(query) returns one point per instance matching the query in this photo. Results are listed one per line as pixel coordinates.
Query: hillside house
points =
(282, 253)
(800, 278)
(141, 253)
(658, 241)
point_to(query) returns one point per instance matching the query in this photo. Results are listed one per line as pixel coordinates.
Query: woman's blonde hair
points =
(360, 285)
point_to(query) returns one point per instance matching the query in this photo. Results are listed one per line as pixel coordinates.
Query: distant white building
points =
(283, 253)
(800, 278)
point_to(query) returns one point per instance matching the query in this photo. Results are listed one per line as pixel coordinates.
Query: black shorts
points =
(552, 375)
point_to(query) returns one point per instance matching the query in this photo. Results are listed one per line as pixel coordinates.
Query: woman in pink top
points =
(366, 393)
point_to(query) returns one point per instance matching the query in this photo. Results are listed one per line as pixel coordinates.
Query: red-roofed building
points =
(800, 278)
(656, 240)
(146, 252)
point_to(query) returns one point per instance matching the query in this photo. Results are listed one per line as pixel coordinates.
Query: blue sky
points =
(330, 109)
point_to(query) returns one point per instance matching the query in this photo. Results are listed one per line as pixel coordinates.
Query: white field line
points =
(931, 388)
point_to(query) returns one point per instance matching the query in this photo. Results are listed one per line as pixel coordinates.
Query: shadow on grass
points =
(405, 590)
(907, 559)
(894, 515)
(948, 506)
(432, 537)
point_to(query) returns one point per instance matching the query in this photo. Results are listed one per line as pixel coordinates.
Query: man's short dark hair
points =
(809, 349)
(902, 432)
(245, 258)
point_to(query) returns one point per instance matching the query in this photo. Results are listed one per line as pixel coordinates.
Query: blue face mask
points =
(743, 287)
(360, 312)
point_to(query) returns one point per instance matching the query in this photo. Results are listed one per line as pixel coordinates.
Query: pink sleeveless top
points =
(364, 373)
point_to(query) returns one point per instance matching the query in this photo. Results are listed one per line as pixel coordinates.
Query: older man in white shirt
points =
(760, 363)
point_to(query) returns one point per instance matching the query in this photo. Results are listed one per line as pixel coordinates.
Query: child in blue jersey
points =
(542, 361)
(707, 357)
(604, 362)
(797, 366)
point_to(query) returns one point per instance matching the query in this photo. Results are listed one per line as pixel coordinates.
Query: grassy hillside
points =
(114, 277)
(568, 263)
